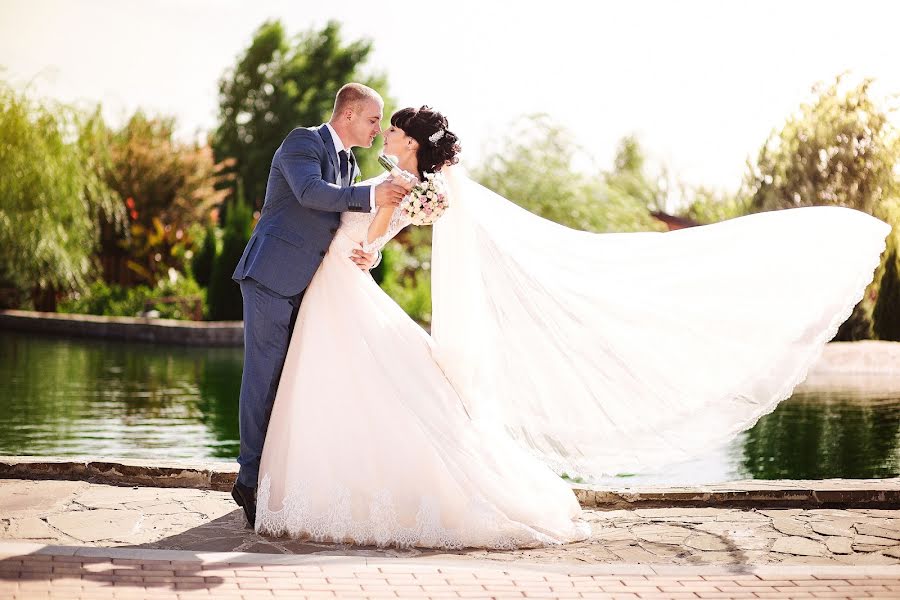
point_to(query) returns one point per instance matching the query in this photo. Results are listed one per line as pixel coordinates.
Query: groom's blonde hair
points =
(352, 95)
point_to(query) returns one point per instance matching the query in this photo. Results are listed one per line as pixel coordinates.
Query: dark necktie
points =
(345, 168)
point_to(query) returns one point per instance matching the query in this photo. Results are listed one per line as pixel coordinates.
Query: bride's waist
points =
(344, 243)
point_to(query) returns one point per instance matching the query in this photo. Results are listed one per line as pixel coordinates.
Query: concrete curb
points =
(132, 329)
(123, 472)
(830, 493)
(219, 476)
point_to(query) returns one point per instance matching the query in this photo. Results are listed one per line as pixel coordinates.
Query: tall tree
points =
(51, 197)
(279, 84)
(535, 170)
(840, 149)
(629, 177)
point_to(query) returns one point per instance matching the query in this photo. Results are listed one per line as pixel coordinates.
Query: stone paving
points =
(83, 514)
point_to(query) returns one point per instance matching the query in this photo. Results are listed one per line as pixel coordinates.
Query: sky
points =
(702, 84)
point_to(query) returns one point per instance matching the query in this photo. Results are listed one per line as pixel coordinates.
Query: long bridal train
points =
(613, 353)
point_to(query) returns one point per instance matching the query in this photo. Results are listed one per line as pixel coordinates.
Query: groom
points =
(308, 189)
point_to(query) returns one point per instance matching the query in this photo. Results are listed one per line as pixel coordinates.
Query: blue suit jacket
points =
(301, 213)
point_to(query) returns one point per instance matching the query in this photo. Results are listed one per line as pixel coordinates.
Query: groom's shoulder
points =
(301, 139)
(311, 133)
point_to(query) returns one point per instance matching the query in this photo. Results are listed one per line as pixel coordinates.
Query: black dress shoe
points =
(246, 499)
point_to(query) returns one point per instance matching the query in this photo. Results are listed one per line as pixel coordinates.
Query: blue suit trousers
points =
(268, 323)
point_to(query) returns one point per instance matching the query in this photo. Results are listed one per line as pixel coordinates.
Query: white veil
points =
(613, 353)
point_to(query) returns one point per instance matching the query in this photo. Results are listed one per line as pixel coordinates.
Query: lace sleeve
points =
(399, 220)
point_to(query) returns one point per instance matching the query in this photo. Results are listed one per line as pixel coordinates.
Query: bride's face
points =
(397, 143)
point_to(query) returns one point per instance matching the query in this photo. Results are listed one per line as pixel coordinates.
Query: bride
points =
(553, 351)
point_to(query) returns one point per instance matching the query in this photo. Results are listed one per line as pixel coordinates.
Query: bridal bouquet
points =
(428, 199)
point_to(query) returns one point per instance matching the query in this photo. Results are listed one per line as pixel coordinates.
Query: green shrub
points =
(858, 326)
(113, 300)
(203, 261)
(886, 315)
(407, 274)
(50, 196)
(224, 295)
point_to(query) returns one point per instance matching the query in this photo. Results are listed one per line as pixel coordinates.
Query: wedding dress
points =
(553, 351)
(369, 443)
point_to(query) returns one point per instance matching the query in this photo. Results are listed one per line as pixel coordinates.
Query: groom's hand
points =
(389, 193)
(407, 181)
(362, 259)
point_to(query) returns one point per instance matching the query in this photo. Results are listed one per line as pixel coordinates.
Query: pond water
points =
(78, 397)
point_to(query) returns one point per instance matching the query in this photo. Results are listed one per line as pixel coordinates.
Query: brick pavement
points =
(35, 571)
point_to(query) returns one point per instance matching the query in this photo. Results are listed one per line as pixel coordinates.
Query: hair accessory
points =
(437, 135)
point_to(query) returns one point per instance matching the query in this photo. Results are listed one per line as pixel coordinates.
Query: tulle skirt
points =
(368, 443)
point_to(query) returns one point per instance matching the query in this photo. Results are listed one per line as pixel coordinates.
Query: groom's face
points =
(365, 123)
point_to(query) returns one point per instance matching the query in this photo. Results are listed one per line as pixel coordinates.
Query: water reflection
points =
(819, 434)
(71, 397)
(87, 397)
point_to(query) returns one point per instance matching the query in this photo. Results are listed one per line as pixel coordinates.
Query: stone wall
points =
(132, 329)
(220, 475)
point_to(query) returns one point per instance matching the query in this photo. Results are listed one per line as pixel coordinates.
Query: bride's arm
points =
(379, 225)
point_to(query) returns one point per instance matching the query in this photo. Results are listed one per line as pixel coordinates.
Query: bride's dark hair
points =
(424, 125)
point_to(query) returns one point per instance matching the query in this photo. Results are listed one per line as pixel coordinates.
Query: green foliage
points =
(279, 84)
(203, 260)
(167, 188)
(858, 326)
(378, 272)
(50, 196)
(95, 144)
(534, 170)
(886, 314)
(839, 150)
(711, 206)
(629, 179)
(224, 295)
(114, 300)
(406, 272)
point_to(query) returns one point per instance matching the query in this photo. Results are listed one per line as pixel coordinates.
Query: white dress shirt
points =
(338, 146)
